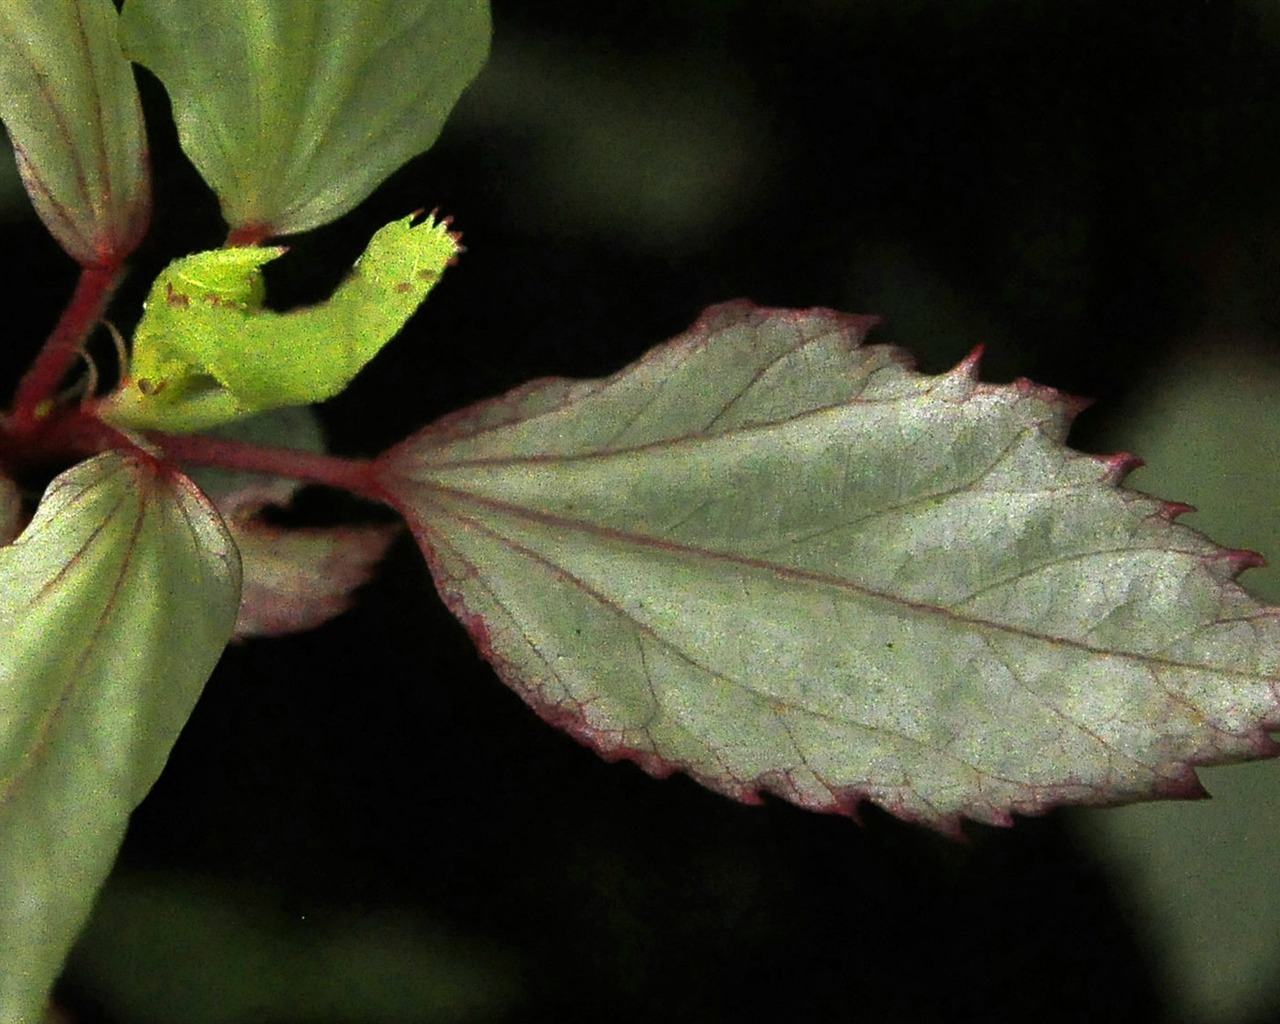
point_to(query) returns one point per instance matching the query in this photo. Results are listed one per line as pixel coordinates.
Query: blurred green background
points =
(361, 824)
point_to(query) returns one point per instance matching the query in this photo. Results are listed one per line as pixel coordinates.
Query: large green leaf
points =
(784, 562)
(115, 604)
(68, 99)
(294, 110)
(207, 353)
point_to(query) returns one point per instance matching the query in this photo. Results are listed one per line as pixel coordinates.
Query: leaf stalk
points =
(355, 476)
(62, 348)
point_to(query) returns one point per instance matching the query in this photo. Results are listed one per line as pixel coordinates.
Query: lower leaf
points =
(115, 604)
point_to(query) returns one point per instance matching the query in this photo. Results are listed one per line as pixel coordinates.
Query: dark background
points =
(1076, 185)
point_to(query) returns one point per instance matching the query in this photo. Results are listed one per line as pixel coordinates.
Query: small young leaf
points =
(294, 579)
(207, 353)
(115, 604)
(297, 579)
(68, 99)
(294, 112)
(784, 562)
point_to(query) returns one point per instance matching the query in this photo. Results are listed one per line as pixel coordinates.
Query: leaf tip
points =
(1184, 786)
(849, 803)
(1240, 559)
(1065, 406)
(971, 365)
(1172, 510)
(1119, 465)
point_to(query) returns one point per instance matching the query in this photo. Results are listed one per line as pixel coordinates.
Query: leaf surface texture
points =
(784, 562)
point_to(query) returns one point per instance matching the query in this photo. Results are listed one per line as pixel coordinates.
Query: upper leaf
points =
(68, 99)
(784, 562)
(294, 112)
(206, 352)
(115, 604)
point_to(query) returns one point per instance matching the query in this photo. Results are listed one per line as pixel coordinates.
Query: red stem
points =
(248, 234)
(353, 475)
(81, 315)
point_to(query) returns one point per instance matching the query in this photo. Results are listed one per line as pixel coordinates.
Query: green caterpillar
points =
(206, 352)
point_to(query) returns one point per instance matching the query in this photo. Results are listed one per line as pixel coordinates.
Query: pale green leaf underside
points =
(205, 353)
(785, 563)
(294, 110)
(115, 604)
(68, 99)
